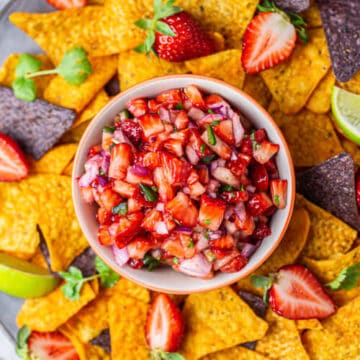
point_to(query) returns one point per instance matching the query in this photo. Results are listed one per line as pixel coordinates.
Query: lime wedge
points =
(346, 110)
(23, 279)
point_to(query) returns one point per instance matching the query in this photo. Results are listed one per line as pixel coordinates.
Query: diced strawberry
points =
(137, 107)
(173, 247)
(67, 4)
(136, 263)
(13, 164)
(223, 243)
(233, 197)
(175, 170)
(297, 294)
(245, 223)
(174, 146)
(155, 143)
(139, 246)
(261, 232)
(51, 346)
(127, 227)
(121, 158)
(260, 135)
(125, 189)
(239, 166)
(87, 194)
(172, 97)
(151, 218)
(107, 198)
(181, 120)
(204, 176)
(196, 189)
(153, 106)
(195, 96)
(151, 125)
(265, 151)
(183, 209)
(106, 140)
(151, 160)
(278, 189)
(132, 130)
(260, 177)
(193, 177)
(104, 237)
(235, 264)
(137, 202)
(164, 327)
(103, 216)
(188, 245)
(169, 222)
(220, 147)
(211, 212)
(272, 169)
(165, 190)
(94, 150)
(225, 131)
(259, 203)
(246, 146)
(133, 176)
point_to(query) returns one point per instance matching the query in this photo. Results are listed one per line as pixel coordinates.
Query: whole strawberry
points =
(173, 34)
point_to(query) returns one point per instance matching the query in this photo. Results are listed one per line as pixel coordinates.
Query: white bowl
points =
(165, 279)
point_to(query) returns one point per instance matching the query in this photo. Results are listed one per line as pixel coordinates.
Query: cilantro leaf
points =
(150, 262)
(121, 209)
(22, 349)
(108, 277)
(148, 192)
(24, 89)
(74, 282)
(75, 66)
(27, 64)
(210, 135)
(347, 279)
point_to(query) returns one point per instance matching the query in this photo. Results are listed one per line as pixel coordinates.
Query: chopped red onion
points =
(102, 180)
(119, 137)
(187, 104)
(164, 114)
(105, 163)
(156, 253)
(112, 229)
(161, 228)
(216, 163)
(230, 227)
(213, 187)
(233, 156)
(202, 243)
(196, 114)
(224, 175)
(238, 129)
(240, 211)
(160, 206)
(121, 256)
(215, 234)
(191, 154)
(251, 189)
(183, 229)
(91, 170)
(197, 266)
(248, 250)
(229, 211)
(186, 190)
(140, 170)
(209, 118)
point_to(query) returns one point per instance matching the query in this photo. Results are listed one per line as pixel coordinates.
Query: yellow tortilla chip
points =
(282, 341)
(7, 72)
(287, 252)
(18, 232)
(311, 137)
(228, 17)
(224, 65)
(39, 259)
(128, 288)
(319, 101)
(69, 168)
(238, 353)
(352, 149)
(74, 135)
(228, 316)
(309, 324)
(312, 15)
(353, 85)
(94, 352)
(61, 93)
(49, 312)
(99, 30)
(254, 86)
(96, 104)
(328, 235)
(127, 317)
(292, 82)
(134, 68)
(78, 345)
(54, 161)
(218, 40)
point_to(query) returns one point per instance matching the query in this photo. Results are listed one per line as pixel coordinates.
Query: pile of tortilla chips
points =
(38, 211)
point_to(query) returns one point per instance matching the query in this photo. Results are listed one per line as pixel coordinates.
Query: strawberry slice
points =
(268, 40)
(278, 189)
(151, 125)
(164, 328)
(225, 131)
(165, 190)
(137, 107)
(297, 294)
(67, 4)
(183, 210)
(211, 212)
(195, 96)
(51, 346)
(259, 203)
(265, 151)
(13, 164)
(120, 160)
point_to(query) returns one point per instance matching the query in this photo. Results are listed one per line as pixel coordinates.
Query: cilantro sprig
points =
(347, 279)
(22, 349)
(74, 279)
(75, 67)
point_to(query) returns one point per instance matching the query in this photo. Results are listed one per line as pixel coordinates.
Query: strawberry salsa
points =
(183, 179)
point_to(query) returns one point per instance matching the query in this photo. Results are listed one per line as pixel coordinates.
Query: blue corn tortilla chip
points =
(36, 125)
(341, 21)
(112, 88)
(86, 262)
(103, 340)
(331, 185)
(294, 6)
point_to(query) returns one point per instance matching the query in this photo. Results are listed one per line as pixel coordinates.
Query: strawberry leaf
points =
(27, 64)
(24, 89)
(166, 10)
(22, 349)
(262, 282)
(164, 28)
(140, 48)
(145, 24)
(170, 356)
(347, 279)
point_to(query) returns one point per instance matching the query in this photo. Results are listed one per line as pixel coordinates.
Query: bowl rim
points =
(290, 199)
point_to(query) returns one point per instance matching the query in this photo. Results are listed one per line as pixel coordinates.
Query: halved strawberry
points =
(183, 209)
(172, 96)
(211, 212)
(265, 151)
(260, 177)
(151, 124)
(124, 189)
(13, 164)
(138, 247)
(235, 264)
(219, 146)
(259, 203)
(278, 189)
(268, 40)
(51, 346)
(137, 107)
(120, 160)
(175, 170)
(194, 95)
(223, 243)
(67, 4)
(181, 120)
(297, 294)
(225, 131)
(126, 228)
(164, 327)
(165, 190)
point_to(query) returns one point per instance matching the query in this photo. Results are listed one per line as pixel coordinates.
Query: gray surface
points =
(13, 40)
